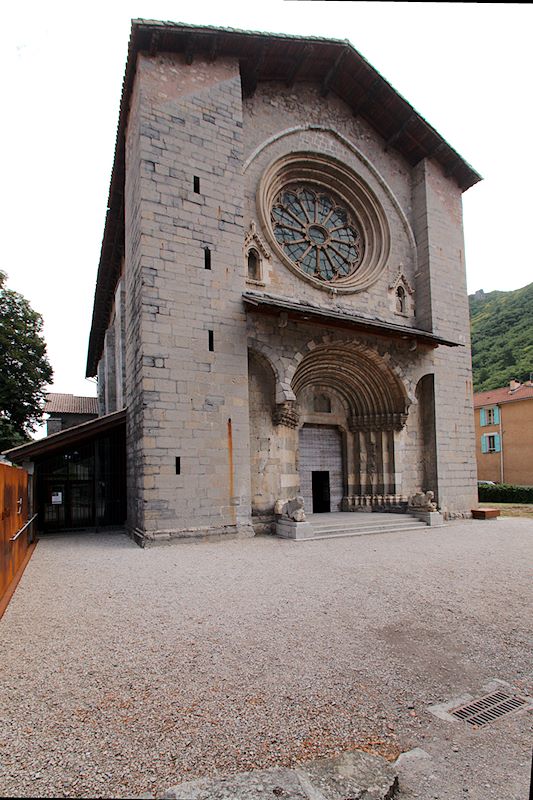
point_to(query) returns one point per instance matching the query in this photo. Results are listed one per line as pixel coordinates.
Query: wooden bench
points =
(485, 513)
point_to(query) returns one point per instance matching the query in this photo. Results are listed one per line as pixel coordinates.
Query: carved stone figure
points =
(293, 509)
(422, 501)
(371, 462)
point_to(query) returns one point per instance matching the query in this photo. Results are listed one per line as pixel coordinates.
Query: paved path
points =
(126, 671)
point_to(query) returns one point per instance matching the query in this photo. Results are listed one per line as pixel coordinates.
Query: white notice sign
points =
(57, 498)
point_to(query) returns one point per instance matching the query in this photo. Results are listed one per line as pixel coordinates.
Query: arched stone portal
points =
(368, 405)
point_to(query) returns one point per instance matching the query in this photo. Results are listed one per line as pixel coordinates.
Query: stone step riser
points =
(360, 532)
(389, 526)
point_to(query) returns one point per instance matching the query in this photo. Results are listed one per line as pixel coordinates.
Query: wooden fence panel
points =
(13, 516)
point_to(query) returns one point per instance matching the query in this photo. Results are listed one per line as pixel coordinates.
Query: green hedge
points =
(505, 493)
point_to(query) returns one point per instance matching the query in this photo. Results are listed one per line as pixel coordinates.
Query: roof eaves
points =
(30, 450)
(275, 304)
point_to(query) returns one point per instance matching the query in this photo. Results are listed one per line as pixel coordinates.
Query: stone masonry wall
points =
(278, 121)
(120, 344)
(438, 223)
(135, 274)
(191, 403)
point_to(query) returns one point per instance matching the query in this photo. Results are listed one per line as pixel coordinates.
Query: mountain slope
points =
(502, 337)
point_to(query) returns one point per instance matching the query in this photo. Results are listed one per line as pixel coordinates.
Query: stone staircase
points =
(333, 525)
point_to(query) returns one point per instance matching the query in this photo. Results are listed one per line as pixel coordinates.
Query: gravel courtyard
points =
(126, 670)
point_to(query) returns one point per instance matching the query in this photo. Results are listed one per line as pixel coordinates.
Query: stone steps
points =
(365, 526)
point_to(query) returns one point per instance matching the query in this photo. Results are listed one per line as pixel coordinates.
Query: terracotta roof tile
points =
(70, 404)
(503, 395)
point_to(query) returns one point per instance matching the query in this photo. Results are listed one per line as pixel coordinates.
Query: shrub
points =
(505, 493)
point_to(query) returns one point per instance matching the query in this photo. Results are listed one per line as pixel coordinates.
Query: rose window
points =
(316, 232)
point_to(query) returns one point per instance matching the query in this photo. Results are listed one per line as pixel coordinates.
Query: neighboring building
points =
(281, 302)
(504, 434)
(67, 410)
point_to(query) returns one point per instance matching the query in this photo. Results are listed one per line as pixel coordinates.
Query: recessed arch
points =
(270, 357)
(375, 396)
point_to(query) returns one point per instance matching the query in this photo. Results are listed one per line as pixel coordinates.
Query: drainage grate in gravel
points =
(489, 708)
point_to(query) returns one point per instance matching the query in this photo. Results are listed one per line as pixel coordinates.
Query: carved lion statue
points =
(293, 509)
(422, 501)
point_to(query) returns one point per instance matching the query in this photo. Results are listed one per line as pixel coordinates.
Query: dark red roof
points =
(505, 395)
(70, 404)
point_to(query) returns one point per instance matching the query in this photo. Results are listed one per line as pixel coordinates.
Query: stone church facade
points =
(281, 301)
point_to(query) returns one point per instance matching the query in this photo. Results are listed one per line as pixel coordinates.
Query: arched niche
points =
(371, 406)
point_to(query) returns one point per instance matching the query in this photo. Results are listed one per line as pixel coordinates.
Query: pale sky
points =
(465, 67)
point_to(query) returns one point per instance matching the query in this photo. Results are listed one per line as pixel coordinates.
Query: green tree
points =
(24, 367)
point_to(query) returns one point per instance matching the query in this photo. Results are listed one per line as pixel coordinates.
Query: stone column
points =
(286, 418)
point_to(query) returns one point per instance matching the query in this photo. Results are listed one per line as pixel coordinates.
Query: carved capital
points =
(390, 421)
(285, 414)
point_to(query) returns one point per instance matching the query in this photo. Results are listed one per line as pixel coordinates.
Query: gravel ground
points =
(128, 670)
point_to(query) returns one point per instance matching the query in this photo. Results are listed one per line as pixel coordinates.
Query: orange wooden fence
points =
(14, 555)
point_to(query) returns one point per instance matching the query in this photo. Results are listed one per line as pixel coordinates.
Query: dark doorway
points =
(320, 453)
(321, 493)
(83, 485)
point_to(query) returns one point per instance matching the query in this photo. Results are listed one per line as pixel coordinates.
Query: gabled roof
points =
(70, 404)
(505, 395)
(333, 64)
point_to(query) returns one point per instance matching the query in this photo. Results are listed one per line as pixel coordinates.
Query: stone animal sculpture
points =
(422, 501)
(293, 509)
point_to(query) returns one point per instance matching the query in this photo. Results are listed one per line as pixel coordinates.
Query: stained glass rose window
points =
(316, 232)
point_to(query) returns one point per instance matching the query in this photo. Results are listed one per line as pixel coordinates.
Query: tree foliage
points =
(501, 326)
(24, 367)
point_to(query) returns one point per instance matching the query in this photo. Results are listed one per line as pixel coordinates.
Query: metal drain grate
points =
(489, 708)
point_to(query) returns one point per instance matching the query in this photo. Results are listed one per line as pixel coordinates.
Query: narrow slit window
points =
(178, 465)
(196, 184)
(207, 258)
(400, 300)
(211, 341)
(254, 271)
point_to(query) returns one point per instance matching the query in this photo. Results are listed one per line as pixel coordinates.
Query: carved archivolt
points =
(375, 397)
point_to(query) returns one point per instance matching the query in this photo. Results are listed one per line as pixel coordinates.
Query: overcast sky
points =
(465, 67)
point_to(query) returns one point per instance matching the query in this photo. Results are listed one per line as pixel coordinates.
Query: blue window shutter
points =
(496, 415)
(482, 417)
(497, 447)
(484, 444)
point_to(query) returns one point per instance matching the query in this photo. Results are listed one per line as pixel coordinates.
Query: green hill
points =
(502, 337)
